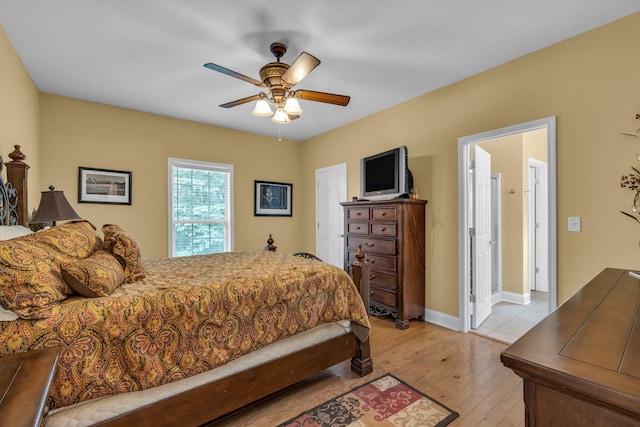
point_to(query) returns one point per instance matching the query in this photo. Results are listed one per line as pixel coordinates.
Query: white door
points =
(538, 227)
(496, 234)
(481, 238)
(331, 189)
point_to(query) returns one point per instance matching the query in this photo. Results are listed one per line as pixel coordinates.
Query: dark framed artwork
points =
(104, 186)
(272, 198)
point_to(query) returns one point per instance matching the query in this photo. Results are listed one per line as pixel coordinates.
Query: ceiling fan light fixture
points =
(262, 109)
(292, 106)
(280, 117)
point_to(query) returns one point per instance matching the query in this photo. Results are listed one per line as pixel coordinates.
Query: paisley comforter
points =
(188, 315)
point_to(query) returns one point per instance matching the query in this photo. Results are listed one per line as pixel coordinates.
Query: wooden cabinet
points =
(391, 233)
(581, 364)
(25, 379)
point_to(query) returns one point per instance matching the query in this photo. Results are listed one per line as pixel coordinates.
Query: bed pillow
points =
(11, 231)
(95, 276)
(74, 239)
(123, 246)
(30, 279)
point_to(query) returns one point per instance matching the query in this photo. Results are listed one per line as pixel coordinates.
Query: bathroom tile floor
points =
(509, 321)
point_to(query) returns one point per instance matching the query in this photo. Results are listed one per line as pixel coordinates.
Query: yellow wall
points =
(19, 115)
(78, 133)
(589, 82)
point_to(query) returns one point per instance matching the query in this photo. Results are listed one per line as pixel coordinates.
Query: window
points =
(200, 207)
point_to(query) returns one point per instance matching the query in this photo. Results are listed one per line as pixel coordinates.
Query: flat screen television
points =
(385, 175)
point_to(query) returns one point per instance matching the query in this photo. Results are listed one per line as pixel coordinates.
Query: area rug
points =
(386, 401)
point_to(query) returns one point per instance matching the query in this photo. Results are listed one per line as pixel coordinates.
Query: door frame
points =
(463, 210)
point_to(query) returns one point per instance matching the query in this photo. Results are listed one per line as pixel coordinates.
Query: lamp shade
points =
(280, 117)
(54, 207)
(292, 106)
(262, 109)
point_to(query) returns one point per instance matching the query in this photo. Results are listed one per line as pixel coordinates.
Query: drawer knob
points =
(371, 261)
(371, 293)
(359, 213)
(383, 229)
(372, 276)
(358, 228)
(384, 214)
(369, 245)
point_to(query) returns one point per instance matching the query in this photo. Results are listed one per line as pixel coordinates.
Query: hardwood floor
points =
(462, 371)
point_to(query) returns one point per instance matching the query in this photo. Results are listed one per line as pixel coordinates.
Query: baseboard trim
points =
(522, 299)
(442, 319)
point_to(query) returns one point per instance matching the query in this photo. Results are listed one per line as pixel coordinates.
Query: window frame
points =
(201, 165)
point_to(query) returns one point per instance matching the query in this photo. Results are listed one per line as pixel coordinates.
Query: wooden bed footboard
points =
(211, 401)
(214, 400)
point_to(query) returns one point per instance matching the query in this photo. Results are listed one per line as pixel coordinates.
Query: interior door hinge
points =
(472, 232)
(472, 298)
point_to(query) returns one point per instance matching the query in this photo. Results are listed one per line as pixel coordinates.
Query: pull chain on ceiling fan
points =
(279, 79)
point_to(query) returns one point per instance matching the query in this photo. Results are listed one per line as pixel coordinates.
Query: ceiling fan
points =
(279, 79)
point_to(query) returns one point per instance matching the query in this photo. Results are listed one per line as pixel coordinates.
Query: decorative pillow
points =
(123, 246)
(30, 279)
(75, 239)
(96, 276)
(10, 231)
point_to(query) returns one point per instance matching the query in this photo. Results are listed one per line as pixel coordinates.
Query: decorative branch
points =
(630, 216)
(632, 181)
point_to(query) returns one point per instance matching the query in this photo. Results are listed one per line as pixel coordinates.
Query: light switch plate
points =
(574, 223)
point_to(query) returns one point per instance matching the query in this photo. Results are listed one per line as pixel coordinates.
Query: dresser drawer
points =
(383, 297)
(386, 230)
(380, 262)
(357, 213)
(380, 279)
(387, 214)
(358, 227)
(383, 246)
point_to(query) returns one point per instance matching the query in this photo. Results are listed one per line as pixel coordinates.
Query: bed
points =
(182, 341)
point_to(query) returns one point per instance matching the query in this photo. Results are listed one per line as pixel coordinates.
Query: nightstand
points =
(25, 379)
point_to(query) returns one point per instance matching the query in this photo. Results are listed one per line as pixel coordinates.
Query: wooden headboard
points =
(13, 192)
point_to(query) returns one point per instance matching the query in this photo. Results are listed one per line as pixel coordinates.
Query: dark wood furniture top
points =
(581, 364)
(25, 379)
(392, 234)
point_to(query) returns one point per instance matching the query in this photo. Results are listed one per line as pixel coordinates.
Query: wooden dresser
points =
(581, 364)
(392, 236)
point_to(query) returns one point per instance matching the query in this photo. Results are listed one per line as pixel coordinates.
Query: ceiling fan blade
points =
(240, 101)
(228, 72)
(328, 98)
(302, 66)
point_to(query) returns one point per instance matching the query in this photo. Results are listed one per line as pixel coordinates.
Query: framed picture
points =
(104, 186)
(272, 199)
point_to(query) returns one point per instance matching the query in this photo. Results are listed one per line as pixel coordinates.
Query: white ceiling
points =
(148, 55)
